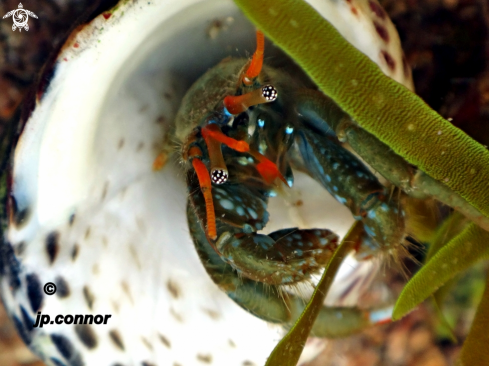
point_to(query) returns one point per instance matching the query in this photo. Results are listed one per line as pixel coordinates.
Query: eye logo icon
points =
(20, 17)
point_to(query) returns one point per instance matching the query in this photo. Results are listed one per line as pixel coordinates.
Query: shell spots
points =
(248, 363)
(178, 317)
(135, 256)
(86, 335)
(388, 60)
(382, 32)
(71, 219)
(207, 358)
(174, 289)
(377, 9)
(19, 248)
(9, 265)
(87, 233)
(164, 340)
(120, 144)
(34, 291)
(127, 291)
(23, 331)
(146, 363)
(52, 246)
(89, 298)
(104, 193)
(116, 339)
(26, 319)
(18, 216)
(57, 362)
(214, 315)
(63, 289)
(65, 347)
(74, 252)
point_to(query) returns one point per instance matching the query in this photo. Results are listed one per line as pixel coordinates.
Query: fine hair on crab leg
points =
(256, 63)
(272, 304)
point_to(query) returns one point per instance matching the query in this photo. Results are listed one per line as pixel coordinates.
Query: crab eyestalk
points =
(239, 104)
(219, 171)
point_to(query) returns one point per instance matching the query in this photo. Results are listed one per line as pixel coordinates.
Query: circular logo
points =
(20, 17)
(50, 288)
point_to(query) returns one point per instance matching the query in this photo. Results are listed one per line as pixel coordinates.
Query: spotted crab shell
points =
(87, 213)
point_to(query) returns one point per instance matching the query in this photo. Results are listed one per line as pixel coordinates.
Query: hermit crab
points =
(237, 172)
(87, 212)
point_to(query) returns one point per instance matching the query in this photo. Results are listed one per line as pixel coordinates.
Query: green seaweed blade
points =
(289, 349)
(379, 104)
(464, 250)
(474, 350)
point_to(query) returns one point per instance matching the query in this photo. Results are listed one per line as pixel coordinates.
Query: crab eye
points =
(219, 176)
(269, 93)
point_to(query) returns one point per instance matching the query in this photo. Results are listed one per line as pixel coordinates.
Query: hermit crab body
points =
(243, 129)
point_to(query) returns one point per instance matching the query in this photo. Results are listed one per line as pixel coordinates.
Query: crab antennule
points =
(257, 61)
(206, 188)
(219, 170)
(213, 131)
(160, 161)
(240, 103)
(267, 169)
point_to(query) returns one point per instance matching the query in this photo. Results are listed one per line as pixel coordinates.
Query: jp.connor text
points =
(70, 319)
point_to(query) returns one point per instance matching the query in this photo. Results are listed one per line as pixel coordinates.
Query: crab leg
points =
(352, 184)
(272, 305)
(323, 114)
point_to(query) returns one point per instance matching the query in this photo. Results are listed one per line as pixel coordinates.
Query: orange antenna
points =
(267, 169)
(238, 104)
(257, 61)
